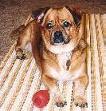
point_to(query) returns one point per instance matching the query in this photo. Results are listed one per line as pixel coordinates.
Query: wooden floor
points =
(20, 79)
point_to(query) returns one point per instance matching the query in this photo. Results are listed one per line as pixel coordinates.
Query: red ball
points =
(41, 98)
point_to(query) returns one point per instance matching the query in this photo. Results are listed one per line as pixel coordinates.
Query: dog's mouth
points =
(59, 39)
(61, 43)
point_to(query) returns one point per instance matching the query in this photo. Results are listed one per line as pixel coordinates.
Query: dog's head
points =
(59, 28)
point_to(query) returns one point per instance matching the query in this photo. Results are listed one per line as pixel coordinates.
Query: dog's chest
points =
(62, 74)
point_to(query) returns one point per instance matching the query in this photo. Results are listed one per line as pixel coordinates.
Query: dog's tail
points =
(15, 33)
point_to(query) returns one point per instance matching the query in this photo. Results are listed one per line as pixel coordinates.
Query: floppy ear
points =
(77, 15)
(39, 14)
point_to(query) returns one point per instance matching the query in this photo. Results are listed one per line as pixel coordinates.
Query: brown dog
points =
(59, 50)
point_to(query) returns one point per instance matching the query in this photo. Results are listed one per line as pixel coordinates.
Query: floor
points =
(13, 13)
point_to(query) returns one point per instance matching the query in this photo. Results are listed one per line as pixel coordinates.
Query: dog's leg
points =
(49, 82)
(24, 38)
(54, 90)
(80, 87)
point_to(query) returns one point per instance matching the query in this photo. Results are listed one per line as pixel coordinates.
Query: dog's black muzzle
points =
(58, 37)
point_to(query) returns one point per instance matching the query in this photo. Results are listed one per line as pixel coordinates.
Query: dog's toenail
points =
(76, 104)
(83, 105)
(61, 105)
(65, 103)
(86, 104)
(72, 99)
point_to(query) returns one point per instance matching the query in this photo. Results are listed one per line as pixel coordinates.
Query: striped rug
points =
(20, 79)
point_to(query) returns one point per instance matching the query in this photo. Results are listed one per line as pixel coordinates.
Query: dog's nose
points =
(58, 37)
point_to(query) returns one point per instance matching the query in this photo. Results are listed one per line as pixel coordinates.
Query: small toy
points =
(41, 98)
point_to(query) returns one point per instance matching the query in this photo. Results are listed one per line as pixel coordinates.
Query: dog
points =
(59, 48)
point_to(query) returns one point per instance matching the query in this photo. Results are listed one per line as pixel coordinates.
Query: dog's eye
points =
(66, 24)
(49, 25)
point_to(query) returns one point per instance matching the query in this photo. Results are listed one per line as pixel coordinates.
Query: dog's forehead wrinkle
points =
(53, 14)
(63, 15)
(59, 14)
(54, 18)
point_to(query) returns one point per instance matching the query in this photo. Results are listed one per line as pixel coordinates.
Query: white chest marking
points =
(62, 74)
(65, 75)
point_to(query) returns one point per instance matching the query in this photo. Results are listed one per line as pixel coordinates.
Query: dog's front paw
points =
(58, 98)
(20, 55)
(80, 101)
(61, 103)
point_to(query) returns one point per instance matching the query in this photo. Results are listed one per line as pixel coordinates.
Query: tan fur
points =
(47, 55)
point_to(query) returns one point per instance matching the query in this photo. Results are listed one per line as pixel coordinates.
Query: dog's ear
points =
(77, 15)
(39, 14)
